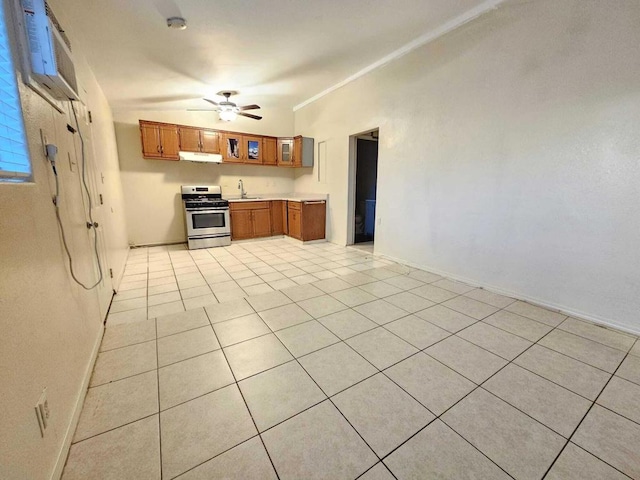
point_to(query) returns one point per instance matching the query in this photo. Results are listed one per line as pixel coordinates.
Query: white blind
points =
(14, 154)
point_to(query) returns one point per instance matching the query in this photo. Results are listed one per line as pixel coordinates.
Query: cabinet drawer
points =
(294, 205)
(248, 205)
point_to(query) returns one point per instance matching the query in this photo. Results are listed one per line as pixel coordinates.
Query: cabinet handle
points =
(158, 148)
(314, 203)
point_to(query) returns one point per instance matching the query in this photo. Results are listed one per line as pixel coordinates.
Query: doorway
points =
(363, 188)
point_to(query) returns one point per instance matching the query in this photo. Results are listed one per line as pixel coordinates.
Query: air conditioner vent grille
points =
(55, 22)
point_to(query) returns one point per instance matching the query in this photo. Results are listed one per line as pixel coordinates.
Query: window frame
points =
(14, 147)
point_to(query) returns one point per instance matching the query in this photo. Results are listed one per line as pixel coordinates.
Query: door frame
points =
(104, 290)
(351, 194)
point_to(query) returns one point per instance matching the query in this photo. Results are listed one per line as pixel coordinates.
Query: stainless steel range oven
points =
(207, 216)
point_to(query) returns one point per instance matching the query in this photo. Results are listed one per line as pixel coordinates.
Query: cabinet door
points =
(253, 149)
(297, 152)
(285, 152)
(314, 214)
(262, 222)
(241, 225)
(232, 148)
(189, 139)
(150, 136)
(277, 223)
(209, 141)
(295, 225)
(169, 142)
(269, 151)
(285, 217)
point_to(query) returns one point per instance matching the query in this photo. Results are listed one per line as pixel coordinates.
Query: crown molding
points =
(428, 37)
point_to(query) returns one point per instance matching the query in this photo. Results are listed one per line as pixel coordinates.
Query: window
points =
(14, 154)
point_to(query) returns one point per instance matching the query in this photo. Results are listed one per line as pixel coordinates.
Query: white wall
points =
(50, 326)
(152, 187)
(508, 154)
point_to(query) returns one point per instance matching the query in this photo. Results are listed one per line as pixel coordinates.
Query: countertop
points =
(291, 197)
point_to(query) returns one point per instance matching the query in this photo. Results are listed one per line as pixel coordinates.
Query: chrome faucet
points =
(241, 188)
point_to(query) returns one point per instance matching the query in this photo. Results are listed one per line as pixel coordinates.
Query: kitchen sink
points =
(250, 198)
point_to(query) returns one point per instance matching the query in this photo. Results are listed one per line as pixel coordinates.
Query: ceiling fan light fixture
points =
(177, 23)
(228, 115)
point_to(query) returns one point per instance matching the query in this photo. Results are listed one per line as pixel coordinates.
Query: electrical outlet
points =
(379, 221)
(43, 412)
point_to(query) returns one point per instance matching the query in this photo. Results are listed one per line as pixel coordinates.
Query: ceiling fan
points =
(228, 110)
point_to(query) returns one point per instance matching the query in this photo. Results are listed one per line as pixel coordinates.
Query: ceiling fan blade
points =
(211, 101)
(249, 107)
(255, 117)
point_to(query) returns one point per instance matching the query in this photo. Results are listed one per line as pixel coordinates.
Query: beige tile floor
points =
(271, 359)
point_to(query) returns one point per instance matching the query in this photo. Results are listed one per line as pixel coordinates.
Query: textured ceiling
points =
(276, 53)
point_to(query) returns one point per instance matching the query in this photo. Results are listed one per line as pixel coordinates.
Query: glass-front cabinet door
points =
(285, 152)
(253, 147)
(232, 148)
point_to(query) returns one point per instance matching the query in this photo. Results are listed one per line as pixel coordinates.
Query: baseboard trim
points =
(118, 277)
(607, 322)
(71, 429)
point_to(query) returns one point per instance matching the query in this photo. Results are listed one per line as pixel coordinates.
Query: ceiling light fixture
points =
(228, 115)
(177, 23)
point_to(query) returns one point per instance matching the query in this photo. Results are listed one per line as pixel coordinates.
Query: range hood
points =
(200, 157)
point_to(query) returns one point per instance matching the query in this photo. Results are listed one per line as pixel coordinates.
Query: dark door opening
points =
(366, 181)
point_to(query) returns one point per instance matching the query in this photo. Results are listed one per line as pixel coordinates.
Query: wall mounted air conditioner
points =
(50, 57)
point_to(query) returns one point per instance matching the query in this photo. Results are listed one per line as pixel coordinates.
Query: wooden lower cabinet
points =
(250, 220)
(301, 220)
(314, 220)
(262, 221)
(294, 220)
(307, 220)
(241, 224)
(277, 217)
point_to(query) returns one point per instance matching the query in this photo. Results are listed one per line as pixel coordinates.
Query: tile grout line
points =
(155, 324)
(477, 386)
(328, 398)
(451, 334)
(580, 423)
(243, 399)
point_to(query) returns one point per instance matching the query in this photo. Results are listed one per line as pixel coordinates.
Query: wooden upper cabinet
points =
(210, 141)
(169, 142)
(269, 151)
(285, 152)
(232, 148)
(150, 135)
(303, 152)
(159, 140)
(297, 152)
(253, 148)
(189, 139)
(194, 139)
(165, 141)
